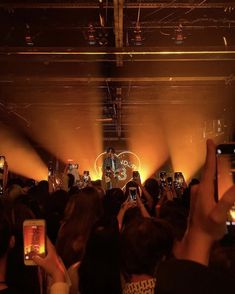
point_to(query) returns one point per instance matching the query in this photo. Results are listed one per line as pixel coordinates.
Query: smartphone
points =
(162, 176)
(50, 169)
(2, 163)
(132, 193)
(225, 174)
(34, 235)
(178, 180)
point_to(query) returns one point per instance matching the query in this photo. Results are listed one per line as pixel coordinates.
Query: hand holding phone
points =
(132, 193)
(52, 264)
(179, 180)
(207, 217)
(225, 174)
(34, 234)
(162, 177)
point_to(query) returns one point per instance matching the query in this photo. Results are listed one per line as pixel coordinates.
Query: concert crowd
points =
(161, 236)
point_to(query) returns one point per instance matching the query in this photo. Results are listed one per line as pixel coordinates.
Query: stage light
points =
(91, 35)
(28, 37)
(147, 138)
(103, 38)
(68, 135)
(179, 35)
(138, 36)
(21, 157)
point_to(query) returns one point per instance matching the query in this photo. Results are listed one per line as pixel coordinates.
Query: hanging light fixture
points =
(91, 35)
(28, 37)
(138, 36)
(179, 35)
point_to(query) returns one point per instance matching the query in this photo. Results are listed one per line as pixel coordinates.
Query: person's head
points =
(110, 152)
(82, 211)
(144, 243)
(152, 186)
(112, 201)
(175, 214)
(29, 184)
(85, 203)
(5, 232)
(102, 249)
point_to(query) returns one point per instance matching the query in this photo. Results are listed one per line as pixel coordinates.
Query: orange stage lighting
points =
(67, 133)
(147, 139)
(20, 156)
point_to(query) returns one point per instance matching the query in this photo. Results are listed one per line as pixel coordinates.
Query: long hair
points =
(82, 211)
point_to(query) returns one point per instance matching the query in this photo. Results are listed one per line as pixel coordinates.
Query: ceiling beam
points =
(48, 79)
(118, 28)
(157, 51)
(87, 5)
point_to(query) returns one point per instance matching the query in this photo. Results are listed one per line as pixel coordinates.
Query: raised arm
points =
(54, 267)
(207, 219)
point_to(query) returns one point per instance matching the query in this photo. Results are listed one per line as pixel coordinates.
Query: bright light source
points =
(91, 35)
(56, 131)
(225, 41)
(28, 37)
(138, 36)
(219, 151)
(21, 157)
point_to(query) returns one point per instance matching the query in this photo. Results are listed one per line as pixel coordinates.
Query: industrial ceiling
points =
(133, 54)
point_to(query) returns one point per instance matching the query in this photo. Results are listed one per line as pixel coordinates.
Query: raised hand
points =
(207, 219)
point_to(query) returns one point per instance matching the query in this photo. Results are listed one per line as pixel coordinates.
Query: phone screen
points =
(132, 193)
(50, 169)
(225, 160)
(179, 179)
(2, 162)
(34, 239)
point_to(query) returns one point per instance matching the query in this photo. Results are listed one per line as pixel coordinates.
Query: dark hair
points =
(112, 201)
(175, 214)
(144, 242)
(110, 149)
(82, 211)
(5, 230)
(99, 271)
(152, 186)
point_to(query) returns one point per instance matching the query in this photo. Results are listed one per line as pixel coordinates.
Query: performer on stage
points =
(111, 169)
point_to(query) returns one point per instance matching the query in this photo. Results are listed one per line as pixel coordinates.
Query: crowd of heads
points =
(116, 241)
